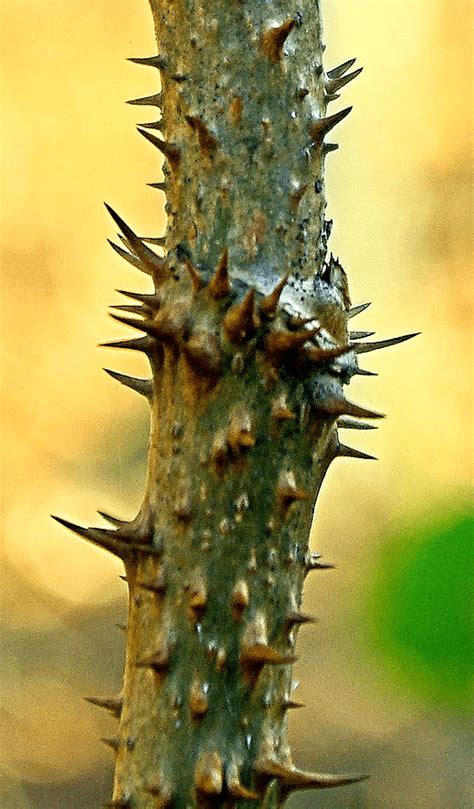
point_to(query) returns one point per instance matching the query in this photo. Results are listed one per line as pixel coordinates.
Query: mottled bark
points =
(246, 330)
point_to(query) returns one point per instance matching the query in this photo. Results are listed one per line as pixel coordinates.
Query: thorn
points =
(151, 263)
(148, 299)
(361, 372)
(111, 519)
(364, 348)
(112, 704)
(260, 654)
(339, 71)
(359, 335)
(269, 304)
(320, 356)
(172, 153)
(333, 85)
(143, 344)
(155, 125)
(142, 325)
(198, 704)
(349, 452)
(326, 148)
(279, 345)
(322, 126)
(159, 240)
(102, 537)
(315, 564)
(349, 424)
(296, 197)
(209, 774)
(240, 322)
(160, 187)
(133, 260)
(256, 652)
(280, 410)
(148, 101)
(239, 434)
(142, 386)
(291, 778)
(219, 285)
(273, 39)
(298, 619)
(356, 310)
(198, 596)
(339, 406)
(114, 742)
(207, 142)
(291, 704)
(240, 598)
(234, 786)
(288, 492)
(150, 61)
(203, 353)
(196, 277)
(129, 307)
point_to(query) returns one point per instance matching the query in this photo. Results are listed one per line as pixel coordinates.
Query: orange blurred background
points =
(73, 440)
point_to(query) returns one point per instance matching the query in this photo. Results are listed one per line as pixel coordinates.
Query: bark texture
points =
(246, 331)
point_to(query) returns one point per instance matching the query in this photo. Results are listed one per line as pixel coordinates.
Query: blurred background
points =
(385, 675)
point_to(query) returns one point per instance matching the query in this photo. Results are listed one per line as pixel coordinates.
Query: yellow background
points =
(398, 192)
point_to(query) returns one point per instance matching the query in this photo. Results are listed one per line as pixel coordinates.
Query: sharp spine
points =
(364, 348)
(269, 304)
(340, 406)
(350, 424)
(291, 778)
(339, 71)
(151, 263)
(112, 704)
(142, 386)
(133, 260)
(356, 310)
(113, 743)
(171, 152)
(336, 84)
(240, 322)
(360, 335)
(219, 285)
(150, 61)
(320, 127)
(111, 519)
(155, 125)
(348, 452)
(102, 537)
(148, 101)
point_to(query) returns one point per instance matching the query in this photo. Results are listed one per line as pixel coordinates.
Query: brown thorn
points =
(356, 310)
(207, 142)
(240, 322)
(209, 774)
(154, 100)
(219, 285)
(273, 39)
(203, 353)
(322, 126)
(151, 263)
(281, 344)
(350, 424)
(196, 277)
(291, 778)
(269, 304)
(336, 84)
(171, 152)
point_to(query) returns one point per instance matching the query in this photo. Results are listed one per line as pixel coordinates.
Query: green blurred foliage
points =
(420, 611)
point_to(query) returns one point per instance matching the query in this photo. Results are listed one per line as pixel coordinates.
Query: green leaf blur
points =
(421, 611)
